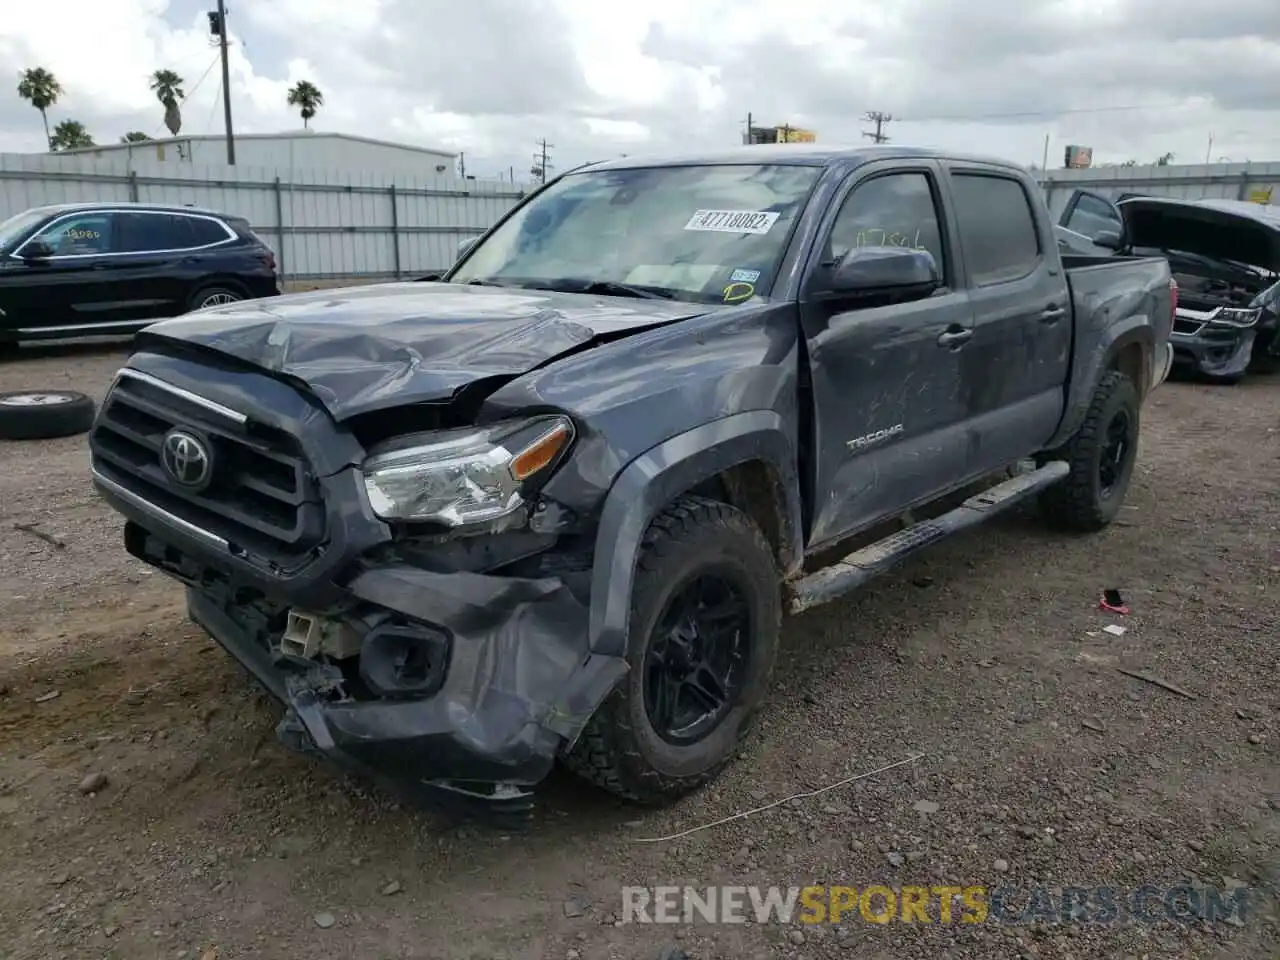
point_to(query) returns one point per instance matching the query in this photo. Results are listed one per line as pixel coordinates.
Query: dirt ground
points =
(1042, 763)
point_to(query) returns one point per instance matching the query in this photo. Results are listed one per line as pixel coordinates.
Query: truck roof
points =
(797, 154)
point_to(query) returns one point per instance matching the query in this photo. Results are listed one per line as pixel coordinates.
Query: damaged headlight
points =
(457, 477)
(1237, 316)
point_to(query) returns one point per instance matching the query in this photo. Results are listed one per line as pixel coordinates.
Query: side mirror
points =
(466, 245)
(37, 250)
(886, 270)
(1110, 239)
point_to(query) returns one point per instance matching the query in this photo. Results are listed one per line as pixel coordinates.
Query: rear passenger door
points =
(168, 256)
(889, 418)
(1015, 370)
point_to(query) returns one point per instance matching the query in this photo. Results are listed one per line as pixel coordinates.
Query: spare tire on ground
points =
(44, 414)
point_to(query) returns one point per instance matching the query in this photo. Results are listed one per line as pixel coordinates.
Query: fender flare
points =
(1089, 368)
(655, 478)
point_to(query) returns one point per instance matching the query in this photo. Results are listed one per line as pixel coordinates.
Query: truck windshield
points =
(712, 234)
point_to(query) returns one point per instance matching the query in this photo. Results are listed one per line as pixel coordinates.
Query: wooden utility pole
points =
(221, 26)
(541, 161)
(879, 119)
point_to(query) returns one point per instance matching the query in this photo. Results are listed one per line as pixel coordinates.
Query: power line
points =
(879, 119)
(213, 107)
(1029, 114)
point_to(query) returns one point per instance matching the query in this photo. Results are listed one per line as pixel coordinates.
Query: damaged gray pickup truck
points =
(554, 505)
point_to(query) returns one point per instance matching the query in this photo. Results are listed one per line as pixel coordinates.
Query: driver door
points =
(889, 404)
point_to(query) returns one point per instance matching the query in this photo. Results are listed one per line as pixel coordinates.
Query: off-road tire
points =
(619, 750)
(204, 293)
(63, 413)
(1076, 503)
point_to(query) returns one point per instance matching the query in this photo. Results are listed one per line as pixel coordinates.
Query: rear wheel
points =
(1101, 456)
(216, 296)
(705, 616)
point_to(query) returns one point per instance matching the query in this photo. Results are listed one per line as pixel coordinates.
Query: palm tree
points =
(41, 89)
(168, 90)
(308, 98)
(70, 134)
(134, 136)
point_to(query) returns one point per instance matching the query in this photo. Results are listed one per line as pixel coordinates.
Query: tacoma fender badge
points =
(878, 436)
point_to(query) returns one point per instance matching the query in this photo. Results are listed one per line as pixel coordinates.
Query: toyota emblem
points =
(186, 458)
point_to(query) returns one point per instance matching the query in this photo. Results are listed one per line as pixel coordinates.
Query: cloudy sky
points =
(1131, 78)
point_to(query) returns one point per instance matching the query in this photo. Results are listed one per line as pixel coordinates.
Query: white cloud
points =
(1131, 78)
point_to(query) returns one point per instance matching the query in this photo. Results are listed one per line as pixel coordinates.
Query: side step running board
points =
(877, 558)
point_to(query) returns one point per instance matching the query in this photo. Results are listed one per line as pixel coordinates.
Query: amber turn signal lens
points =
(541, 452)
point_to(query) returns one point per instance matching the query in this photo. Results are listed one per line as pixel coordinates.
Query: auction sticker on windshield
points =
(732, 221)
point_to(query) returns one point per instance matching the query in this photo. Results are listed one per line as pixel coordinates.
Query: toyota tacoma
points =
(553, 505)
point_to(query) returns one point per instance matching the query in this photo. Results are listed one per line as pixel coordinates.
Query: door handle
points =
(1053, 313)
(955, 338)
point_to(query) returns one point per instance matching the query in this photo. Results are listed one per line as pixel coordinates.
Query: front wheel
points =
(706, 611)
(1101, 456)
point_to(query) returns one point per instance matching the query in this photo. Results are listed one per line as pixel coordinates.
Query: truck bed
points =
(1106, 289)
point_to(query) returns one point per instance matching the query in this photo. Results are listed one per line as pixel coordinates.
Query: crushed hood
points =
(1247, 233)
(361, 349)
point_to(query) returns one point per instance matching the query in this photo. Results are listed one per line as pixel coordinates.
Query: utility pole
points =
(462, 166)
(879, 119)
(746, 137)
(541, 164)
(218, 26)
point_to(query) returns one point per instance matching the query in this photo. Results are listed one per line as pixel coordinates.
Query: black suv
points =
(83, 269)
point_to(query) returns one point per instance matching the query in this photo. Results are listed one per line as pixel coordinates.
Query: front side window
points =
(713, 233)
(1092, 216)
(82, 234)
(894, 210)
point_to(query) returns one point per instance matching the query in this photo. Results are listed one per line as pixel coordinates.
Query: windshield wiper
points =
(608, 288)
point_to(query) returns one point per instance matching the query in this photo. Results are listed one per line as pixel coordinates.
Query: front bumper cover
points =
(1212, 350)
(519, 686)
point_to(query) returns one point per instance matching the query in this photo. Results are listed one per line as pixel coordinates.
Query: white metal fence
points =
(322, 225)
(1223, 181)
(336, 224)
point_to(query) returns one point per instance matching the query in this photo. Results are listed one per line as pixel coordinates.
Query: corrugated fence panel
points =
(1225, 181)
(321, 223)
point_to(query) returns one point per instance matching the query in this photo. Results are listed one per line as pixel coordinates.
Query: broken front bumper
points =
(1211, 350)
(503, 679)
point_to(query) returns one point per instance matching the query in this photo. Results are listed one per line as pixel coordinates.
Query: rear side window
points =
(172, 231)
(204, 232)
(997, 227)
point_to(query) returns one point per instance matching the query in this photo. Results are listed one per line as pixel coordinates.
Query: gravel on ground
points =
(147, 811)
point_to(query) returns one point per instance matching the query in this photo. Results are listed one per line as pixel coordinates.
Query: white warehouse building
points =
(296, 150)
